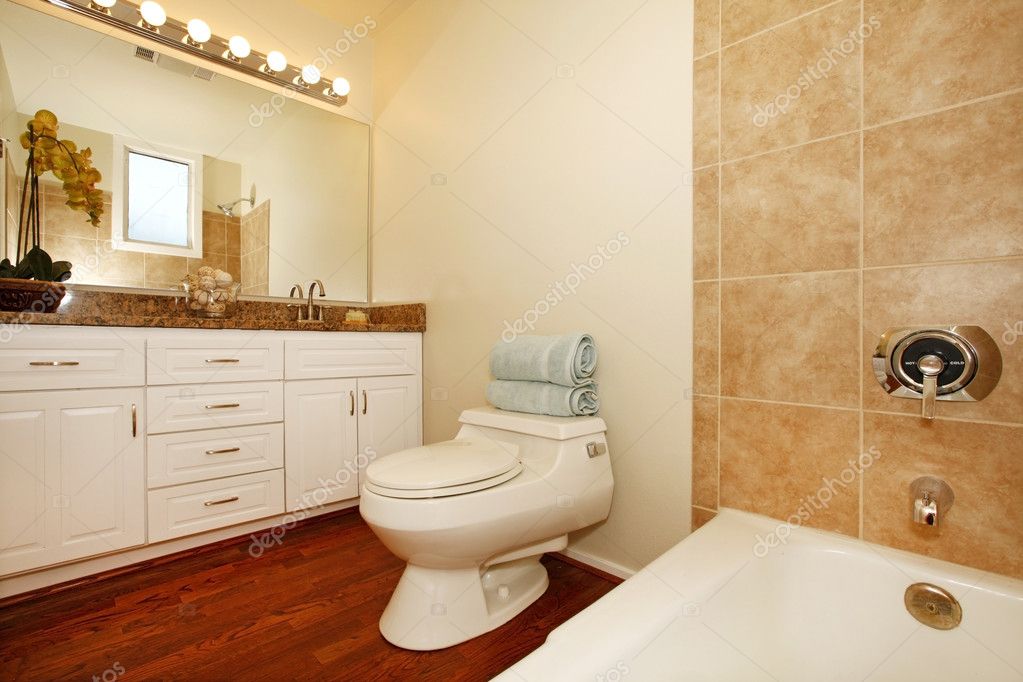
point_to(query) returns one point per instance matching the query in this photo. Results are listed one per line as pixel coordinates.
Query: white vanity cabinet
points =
(338, 423)
(113, 439)
(72, 464)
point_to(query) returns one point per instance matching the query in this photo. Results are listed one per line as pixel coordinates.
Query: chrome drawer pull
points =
(210, 503)
(222, 361)
(351, 403)
(54, 363)
(223, 451)
(222, 406)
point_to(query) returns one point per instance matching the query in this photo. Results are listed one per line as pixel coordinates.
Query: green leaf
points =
(6, 268)
(40, 263)
(61, 271)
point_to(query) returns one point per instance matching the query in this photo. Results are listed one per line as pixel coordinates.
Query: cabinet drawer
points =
(213, 406)
(197, 507)
(200, 359)
(353, 355)
(176, 458)
(42, 359)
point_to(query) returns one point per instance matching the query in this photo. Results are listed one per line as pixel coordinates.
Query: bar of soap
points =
(357, 317)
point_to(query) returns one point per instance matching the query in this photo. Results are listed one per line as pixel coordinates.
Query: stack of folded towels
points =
(545, 375)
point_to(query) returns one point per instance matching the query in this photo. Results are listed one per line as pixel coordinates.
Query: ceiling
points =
(351, 12)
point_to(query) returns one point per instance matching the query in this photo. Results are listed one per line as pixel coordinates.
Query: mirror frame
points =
(46, 7)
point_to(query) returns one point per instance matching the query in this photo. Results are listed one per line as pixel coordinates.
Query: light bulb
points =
(239, 47)
(152, 13)
(275, 61)
(105, 4)
(310, 74)
(341, 87)
(199, 31)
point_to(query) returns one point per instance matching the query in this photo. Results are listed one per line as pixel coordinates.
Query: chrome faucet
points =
(932, 498)
(309, 310)
(296, 292)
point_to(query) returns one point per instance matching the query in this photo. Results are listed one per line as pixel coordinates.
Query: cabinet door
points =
(77, 476)
(389, 415)
(320, 442)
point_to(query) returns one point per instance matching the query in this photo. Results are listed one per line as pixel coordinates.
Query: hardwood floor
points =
(306, 610)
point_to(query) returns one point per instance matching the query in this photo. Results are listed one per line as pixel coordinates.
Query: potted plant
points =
(33, 281)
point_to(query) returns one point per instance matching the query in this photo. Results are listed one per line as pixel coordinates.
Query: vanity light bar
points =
(196, 38)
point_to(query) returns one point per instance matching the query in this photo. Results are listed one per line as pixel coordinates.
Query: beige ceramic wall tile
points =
(233, 264)
(705, 338)
(774, 94)
(742, 18)
(165, 269)
(57, 218)
(789, 461)
(705, 452)
(121, 268)
(214, 235)
(945, 187)
(928, 54)
(213, 260)
(984, 466)
(792, 211)
(985, 294)
(792, 338)
(705, 224)
(701, 517)
(233, 236)
(706, 24)
(705, 111)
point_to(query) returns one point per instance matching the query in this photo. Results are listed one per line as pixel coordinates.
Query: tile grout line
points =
(869, 268)
(862, 306)
(717, 448)
(764, 31)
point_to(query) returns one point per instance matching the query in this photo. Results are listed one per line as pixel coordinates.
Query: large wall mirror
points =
(198, 168)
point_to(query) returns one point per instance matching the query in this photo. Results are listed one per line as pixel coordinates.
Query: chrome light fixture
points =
(150, 21)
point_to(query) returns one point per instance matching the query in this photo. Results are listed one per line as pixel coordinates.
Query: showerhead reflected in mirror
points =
(228, 208)
(182, 151)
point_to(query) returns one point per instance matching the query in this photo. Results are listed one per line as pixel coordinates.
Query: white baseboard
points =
(614, 569)
(26, 582)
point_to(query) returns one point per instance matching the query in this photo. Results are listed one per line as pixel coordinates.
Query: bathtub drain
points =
(933, 606)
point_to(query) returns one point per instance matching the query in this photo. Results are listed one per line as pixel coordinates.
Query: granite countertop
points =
(123, 309)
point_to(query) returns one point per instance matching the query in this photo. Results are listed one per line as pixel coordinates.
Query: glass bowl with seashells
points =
(211, 292)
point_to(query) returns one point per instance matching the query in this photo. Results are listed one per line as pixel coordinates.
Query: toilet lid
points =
(443, 465)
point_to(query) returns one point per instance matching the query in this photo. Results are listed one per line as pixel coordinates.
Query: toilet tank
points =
(539, 425)
(537, 436)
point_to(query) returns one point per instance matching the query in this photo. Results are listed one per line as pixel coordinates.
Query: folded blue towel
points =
(568, 360)
(537, 397)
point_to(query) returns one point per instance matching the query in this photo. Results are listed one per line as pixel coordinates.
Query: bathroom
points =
(755, 209)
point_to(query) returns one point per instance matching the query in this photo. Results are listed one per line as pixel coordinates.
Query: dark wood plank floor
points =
(306, 610)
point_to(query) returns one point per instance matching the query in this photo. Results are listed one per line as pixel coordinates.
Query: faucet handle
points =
(930, 367)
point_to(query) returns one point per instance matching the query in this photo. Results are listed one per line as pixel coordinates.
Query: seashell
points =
(224, 279)
(203, 298)
(207, 283)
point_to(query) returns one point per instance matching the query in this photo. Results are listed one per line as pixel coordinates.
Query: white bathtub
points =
(819, 607)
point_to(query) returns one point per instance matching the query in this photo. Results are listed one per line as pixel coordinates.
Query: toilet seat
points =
(453, 467)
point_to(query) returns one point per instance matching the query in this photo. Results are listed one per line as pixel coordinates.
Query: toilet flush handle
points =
(595, 449)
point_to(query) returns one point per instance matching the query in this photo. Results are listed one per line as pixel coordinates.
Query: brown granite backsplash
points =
(121, 309)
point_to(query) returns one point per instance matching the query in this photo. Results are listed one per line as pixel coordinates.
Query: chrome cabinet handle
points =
(365, 402)
(222, 451)
(54, 363)
(134, 420)
(351, 403)
(210, 503)
(221, 361)
(222, 406)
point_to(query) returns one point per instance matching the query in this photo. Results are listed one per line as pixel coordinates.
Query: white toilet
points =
(472, 517)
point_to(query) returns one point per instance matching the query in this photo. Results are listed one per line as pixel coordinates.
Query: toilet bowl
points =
(472, 516)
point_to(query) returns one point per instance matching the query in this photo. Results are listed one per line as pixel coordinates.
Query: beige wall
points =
(513, 142)
(868, 199)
